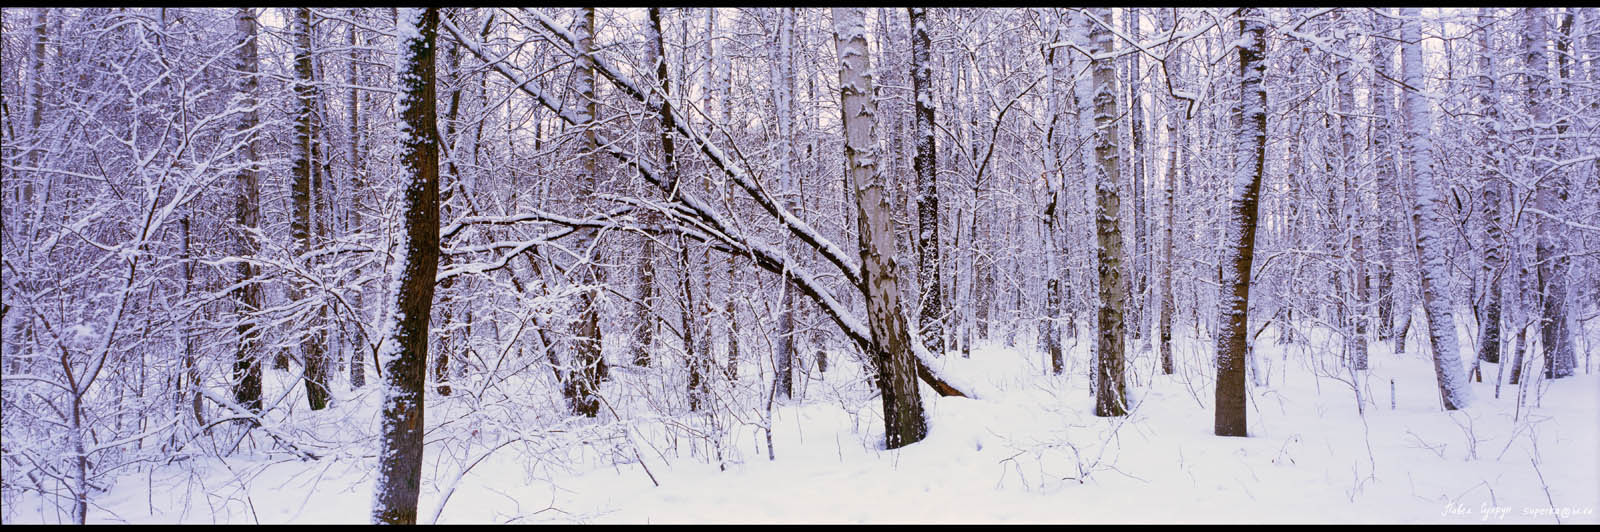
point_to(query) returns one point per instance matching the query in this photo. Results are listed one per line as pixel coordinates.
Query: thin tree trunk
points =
(1175, 139)
(1353, 217)
(1383, 159)
(1516, 359)
(1058, 72)
(247, 211)
(358, 375)
(694, 346)
(36, 103)
(446, 303)
(1139, 278)
(783, 97)
(191, 374)
(656, 48)
(1494, 262)
(644, 335)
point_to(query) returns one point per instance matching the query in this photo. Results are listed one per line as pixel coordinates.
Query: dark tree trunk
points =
(694, 343)
(1233, 316)
(247, 212)
(645, 339)
(930, 265)
(1053, 329)
(405, 355)
(306, 195)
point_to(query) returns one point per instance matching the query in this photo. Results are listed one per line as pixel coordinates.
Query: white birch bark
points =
(782, 77)
(891, 340)
(1429, 221)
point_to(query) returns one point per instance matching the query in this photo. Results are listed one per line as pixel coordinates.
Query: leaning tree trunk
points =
(891, 341)
(404, 355)
(1239, 251)
(1431, 225)
(1110, 388)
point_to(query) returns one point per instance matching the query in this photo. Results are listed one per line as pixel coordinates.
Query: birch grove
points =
(555, 226)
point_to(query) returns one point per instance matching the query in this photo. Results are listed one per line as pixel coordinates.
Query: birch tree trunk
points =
(891, 341)
(1344, 82)
(1059, 73)
(1140, 261)
(1175, 111)
(584, 381)
(358, 181)
(1110, 388)
(404, 355)
(783, 98)
(1239, 243)
(36, 103)
(1429, 221)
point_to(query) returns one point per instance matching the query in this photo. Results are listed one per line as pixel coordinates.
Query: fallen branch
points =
(437, 510)
(711, 223)
(241, 412)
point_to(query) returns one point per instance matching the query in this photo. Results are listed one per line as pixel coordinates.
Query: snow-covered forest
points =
(448, 265)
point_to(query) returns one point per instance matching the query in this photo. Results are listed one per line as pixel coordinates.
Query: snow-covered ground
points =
(1026, 450)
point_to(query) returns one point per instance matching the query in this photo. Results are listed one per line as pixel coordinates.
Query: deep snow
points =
(1026, 450)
